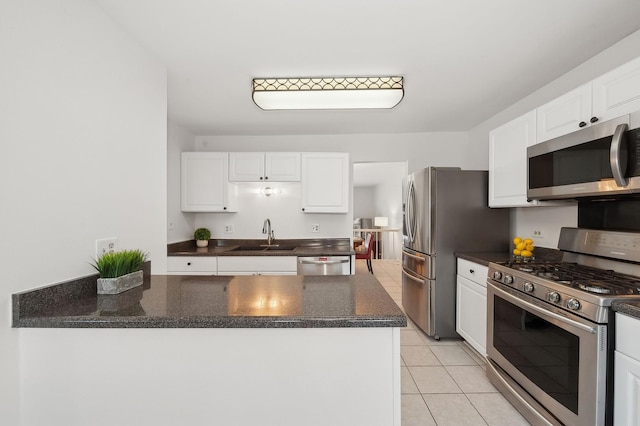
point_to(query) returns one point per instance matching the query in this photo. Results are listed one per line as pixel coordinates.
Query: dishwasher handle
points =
(323, 262)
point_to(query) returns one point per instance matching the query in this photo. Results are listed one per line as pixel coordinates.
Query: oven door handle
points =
(530, 306)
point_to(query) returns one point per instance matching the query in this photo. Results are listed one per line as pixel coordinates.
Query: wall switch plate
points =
(106, 245)
(228, 229)
(315, 228)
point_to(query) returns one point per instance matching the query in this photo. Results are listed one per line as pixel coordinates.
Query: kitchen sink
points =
(263, 248)
(282, 248)
(248, 248)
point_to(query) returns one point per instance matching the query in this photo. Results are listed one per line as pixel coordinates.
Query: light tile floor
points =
(443, 382)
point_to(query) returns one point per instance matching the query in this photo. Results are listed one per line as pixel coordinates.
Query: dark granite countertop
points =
(483, 258)
(630, 308)
(246, 247)
(542, 254)
(173, 301)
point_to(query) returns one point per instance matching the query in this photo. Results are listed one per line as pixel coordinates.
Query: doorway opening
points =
(377, 193)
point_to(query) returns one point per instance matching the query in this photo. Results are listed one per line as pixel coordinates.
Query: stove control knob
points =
(573, 304)
(497, 275)
(528, 287)
(508, 279)
(553, 297)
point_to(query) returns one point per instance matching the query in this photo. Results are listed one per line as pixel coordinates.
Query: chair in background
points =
(366, 253)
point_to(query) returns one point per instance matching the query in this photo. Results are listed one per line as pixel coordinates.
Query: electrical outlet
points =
(228, 229)
(106, 245)
(315, 228)
(537, 234)
(170, 225)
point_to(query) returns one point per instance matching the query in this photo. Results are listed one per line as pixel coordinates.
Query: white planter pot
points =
(120, 284)
(202, 243)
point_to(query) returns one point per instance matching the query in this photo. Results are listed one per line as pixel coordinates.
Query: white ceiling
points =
(463, 60)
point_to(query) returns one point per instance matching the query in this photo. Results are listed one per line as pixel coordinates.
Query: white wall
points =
(83, 139)
(419, 149)
(550, 219)
(180, 225)
(545, 221)
(364, 201)
(389, 204)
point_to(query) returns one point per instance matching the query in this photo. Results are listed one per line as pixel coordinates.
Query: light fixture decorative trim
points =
(328, 92)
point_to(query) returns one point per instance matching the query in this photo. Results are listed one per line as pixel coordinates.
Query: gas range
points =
(586, 282)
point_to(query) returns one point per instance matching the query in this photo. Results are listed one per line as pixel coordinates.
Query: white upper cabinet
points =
(204, 183)
(614, 94)
(565, 114)
(325, 182)
(261, 166)
(282, 166)
(617, 92)
(508, 162)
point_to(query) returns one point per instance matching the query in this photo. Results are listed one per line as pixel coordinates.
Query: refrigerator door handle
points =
(413, 256)
(408, 275)
(411, 208)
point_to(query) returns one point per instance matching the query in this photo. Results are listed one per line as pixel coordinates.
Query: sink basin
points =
(248, 248)
(263, 248)
(280, 248)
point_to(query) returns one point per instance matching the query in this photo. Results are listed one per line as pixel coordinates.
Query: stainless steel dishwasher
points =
(324, 265)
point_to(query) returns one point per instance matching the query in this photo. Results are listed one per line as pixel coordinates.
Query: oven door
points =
(556, 357)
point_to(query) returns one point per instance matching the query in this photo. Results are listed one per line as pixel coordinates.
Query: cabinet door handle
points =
(188, 263)
(594, 119)
(582, 124)
(472, 271)
(266, 178)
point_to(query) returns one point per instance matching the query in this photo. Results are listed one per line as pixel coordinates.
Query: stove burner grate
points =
(594, 288)
(585, 278)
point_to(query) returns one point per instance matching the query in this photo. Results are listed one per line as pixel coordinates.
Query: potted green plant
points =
(119, 271)
(202, 236)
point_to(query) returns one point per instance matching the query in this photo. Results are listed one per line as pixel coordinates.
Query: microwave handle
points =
(614, 155)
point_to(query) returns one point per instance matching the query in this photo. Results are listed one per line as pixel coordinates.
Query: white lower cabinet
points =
(192, 265)
(471, 304)
(257, 265)
(627, 372)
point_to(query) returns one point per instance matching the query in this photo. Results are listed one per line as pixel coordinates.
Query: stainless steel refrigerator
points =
(445, 210)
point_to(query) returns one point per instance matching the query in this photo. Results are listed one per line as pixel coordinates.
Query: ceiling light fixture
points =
(328, 92)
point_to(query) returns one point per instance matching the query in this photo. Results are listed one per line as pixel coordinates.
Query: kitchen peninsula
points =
(269, 350)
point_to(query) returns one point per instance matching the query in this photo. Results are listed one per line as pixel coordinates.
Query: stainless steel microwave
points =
(599, 161)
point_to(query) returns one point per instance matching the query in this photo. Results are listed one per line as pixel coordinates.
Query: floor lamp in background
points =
(381, 222)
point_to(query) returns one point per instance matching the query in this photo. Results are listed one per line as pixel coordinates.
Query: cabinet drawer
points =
(192, 264)
(257, 264)
(473, 271)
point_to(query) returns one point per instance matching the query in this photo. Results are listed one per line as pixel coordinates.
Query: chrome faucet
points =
(266, 229)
